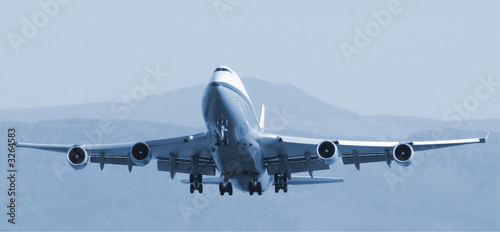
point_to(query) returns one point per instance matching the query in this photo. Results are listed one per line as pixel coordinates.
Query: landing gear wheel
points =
(191, 188)
(285, 187)
(191, 178)
(230, 188)
(221, 189)
(259, 188)
(276, 188)
(200, 188)
(250, 189)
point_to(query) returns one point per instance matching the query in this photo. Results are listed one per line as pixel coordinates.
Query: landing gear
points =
(280, 182)
(282, 175)
(195, 180)
(221, 137)
(221, 141)
(227, 188)
(255, 188)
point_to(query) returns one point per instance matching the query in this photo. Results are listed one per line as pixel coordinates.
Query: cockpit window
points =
(223, 69)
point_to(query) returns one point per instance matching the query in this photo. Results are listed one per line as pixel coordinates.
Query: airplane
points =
(236, 151)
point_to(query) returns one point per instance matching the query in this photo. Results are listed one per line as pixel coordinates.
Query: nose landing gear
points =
(221, 136)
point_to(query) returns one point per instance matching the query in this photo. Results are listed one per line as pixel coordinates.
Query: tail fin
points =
(262, 117)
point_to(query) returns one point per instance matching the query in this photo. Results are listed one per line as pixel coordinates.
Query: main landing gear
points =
(226, 188)
(280, 182)
(282, 175)
(195, 180)
(255, 188)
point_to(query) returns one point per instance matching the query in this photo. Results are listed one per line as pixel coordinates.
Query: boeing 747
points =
(235, 151)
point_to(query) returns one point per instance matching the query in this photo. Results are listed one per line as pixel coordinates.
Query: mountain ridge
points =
(287, 108)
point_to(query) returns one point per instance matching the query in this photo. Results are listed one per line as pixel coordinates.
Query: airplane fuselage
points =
(231, 121)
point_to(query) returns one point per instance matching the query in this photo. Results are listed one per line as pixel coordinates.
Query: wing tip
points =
(483, 140)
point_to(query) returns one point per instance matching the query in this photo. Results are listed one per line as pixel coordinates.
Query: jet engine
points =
(140, 154)
(403, 154)
(77, 157)
(327, 152)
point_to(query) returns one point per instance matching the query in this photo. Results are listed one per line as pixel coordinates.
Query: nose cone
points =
(223, 75)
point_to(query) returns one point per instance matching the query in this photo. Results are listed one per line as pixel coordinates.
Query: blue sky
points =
(423, 61)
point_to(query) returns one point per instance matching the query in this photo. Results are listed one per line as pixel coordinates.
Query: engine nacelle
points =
(403, 154)
(327, 152)
(140, 154)
(77, 157)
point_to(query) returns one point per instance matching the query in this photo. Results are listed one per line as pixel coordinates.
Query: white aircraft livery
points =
(236, 152)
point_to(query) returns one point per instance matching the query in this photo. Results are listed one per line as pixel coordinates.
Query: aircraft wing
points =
(356, 152)
(300, 154)
(293, 153)
(172, 154)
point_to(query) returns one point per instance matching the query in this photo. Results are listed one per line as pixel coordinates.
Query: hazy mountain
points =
(287, 108)
(448, 189)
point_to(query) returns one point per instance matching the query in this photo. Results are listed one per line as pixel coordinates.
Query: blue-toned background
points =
(425, 70)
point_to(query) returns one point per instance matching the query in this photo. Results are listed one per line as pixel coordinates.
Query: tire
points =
(285, 188)
(191, 188)
(200, 188)
(191, 178)
(250, 188)
(276, 188)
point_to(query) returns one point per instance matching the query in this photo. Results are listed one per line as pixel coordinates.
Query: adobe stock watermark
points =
(199, 203)
(31, 26)
(224, 6)
(482, 92)
(363, 37)
(122, 107)
(280, 120)
(463, 110)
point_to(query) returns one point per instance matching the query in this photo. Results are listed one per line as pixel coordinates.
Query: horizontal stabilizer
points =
(302, 180)
(207, 180)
